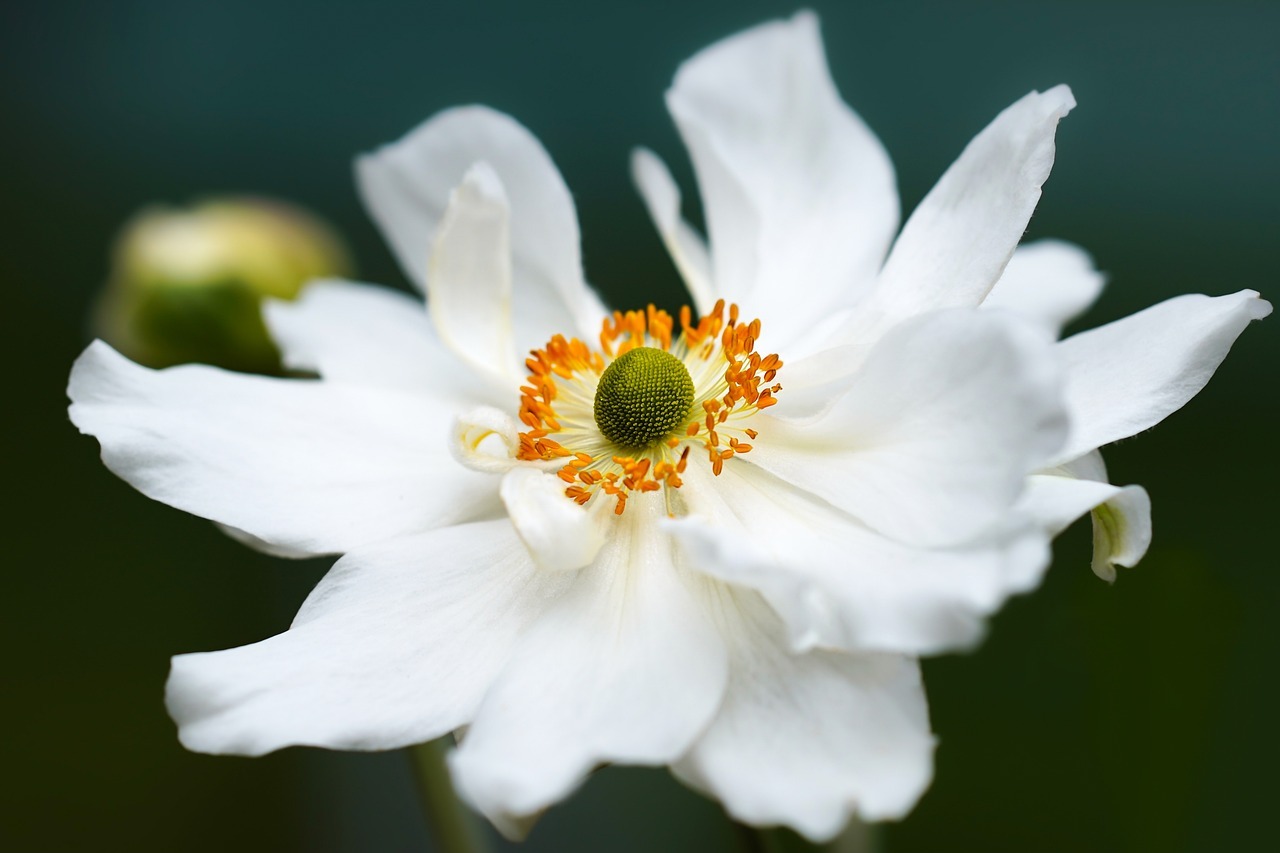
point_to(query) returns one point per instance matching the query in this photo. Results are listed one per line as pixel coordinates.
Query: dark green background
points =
(1133, 717)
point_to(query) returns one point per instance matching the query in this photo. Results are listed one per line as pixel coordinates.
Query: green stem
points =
(453, 827)
(859, 837)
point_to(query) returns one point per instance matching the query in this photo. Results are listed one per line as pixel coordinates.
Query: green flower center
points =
(642, 396)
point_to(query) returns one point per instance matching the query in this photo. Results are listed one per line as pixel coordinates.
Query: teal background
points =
(1134, 717)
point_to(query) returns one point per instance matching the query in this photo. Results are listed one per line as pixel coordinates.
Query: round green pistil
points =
(642, 396)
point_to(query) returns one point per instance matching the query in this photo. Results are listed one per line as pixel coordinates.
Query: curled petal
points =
(485, 439)
(469, 285)
(560, 535)
(1121, 514)
(1056, 500)
(1121, 531)
(406, 187)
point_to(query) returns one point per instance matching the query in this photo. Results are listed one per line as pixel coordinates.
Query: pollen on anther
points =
(553, 421)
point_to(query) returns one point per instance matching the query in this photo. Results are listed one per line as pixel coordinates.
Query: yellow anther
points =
(568, 371)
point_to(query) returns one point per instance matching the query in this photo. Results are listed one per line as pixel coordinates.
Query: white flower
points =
(751, 619)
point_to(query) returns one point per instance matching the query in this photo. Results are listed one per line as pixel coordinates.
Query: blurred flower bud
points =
(187, 285)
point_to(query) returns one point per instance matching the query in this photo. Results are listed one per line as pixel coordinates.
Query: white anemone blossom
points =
(717, 540)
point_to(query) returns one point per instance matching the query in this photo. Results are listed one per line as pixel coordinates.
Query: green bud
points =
(643, 395)
(187, 285)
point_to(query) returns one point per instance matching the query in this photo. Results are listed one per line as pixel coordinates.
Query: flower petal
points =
(687, 248)
(560, 535)
(251, 541)
(810, 740)
(1121, 531)
(799, 194)
(837, 584)
(406, 187)
(1121, 515)
(361, 334)
(1056, 500)
(1129, 375)
(469, 280)
(957, 242)
(486, 439)
(625, 667)
(1048, 282)
(396, 646)
(306, 466)
(933, 438)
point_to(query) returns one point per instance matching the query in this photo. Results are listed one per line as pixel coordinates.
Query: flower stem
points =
(859, 837)
(453, 828)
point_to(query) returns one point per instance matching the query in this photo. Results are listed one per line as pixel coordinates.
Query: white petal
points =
(395, 646)
(799, 194)
(1129, 375)
(251, 541)
(837, 584)
(1121, 531)
(810, 740)
(1056, 500)
(361, 334)
(406, 186)
(1121, 515)
(686, 247)
(469, 280)
(485, 439)
(626, 667)
(957, 242)
(815, 381)
(305, 465)
(560, 535)
(1048, 282)
(932, 440)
